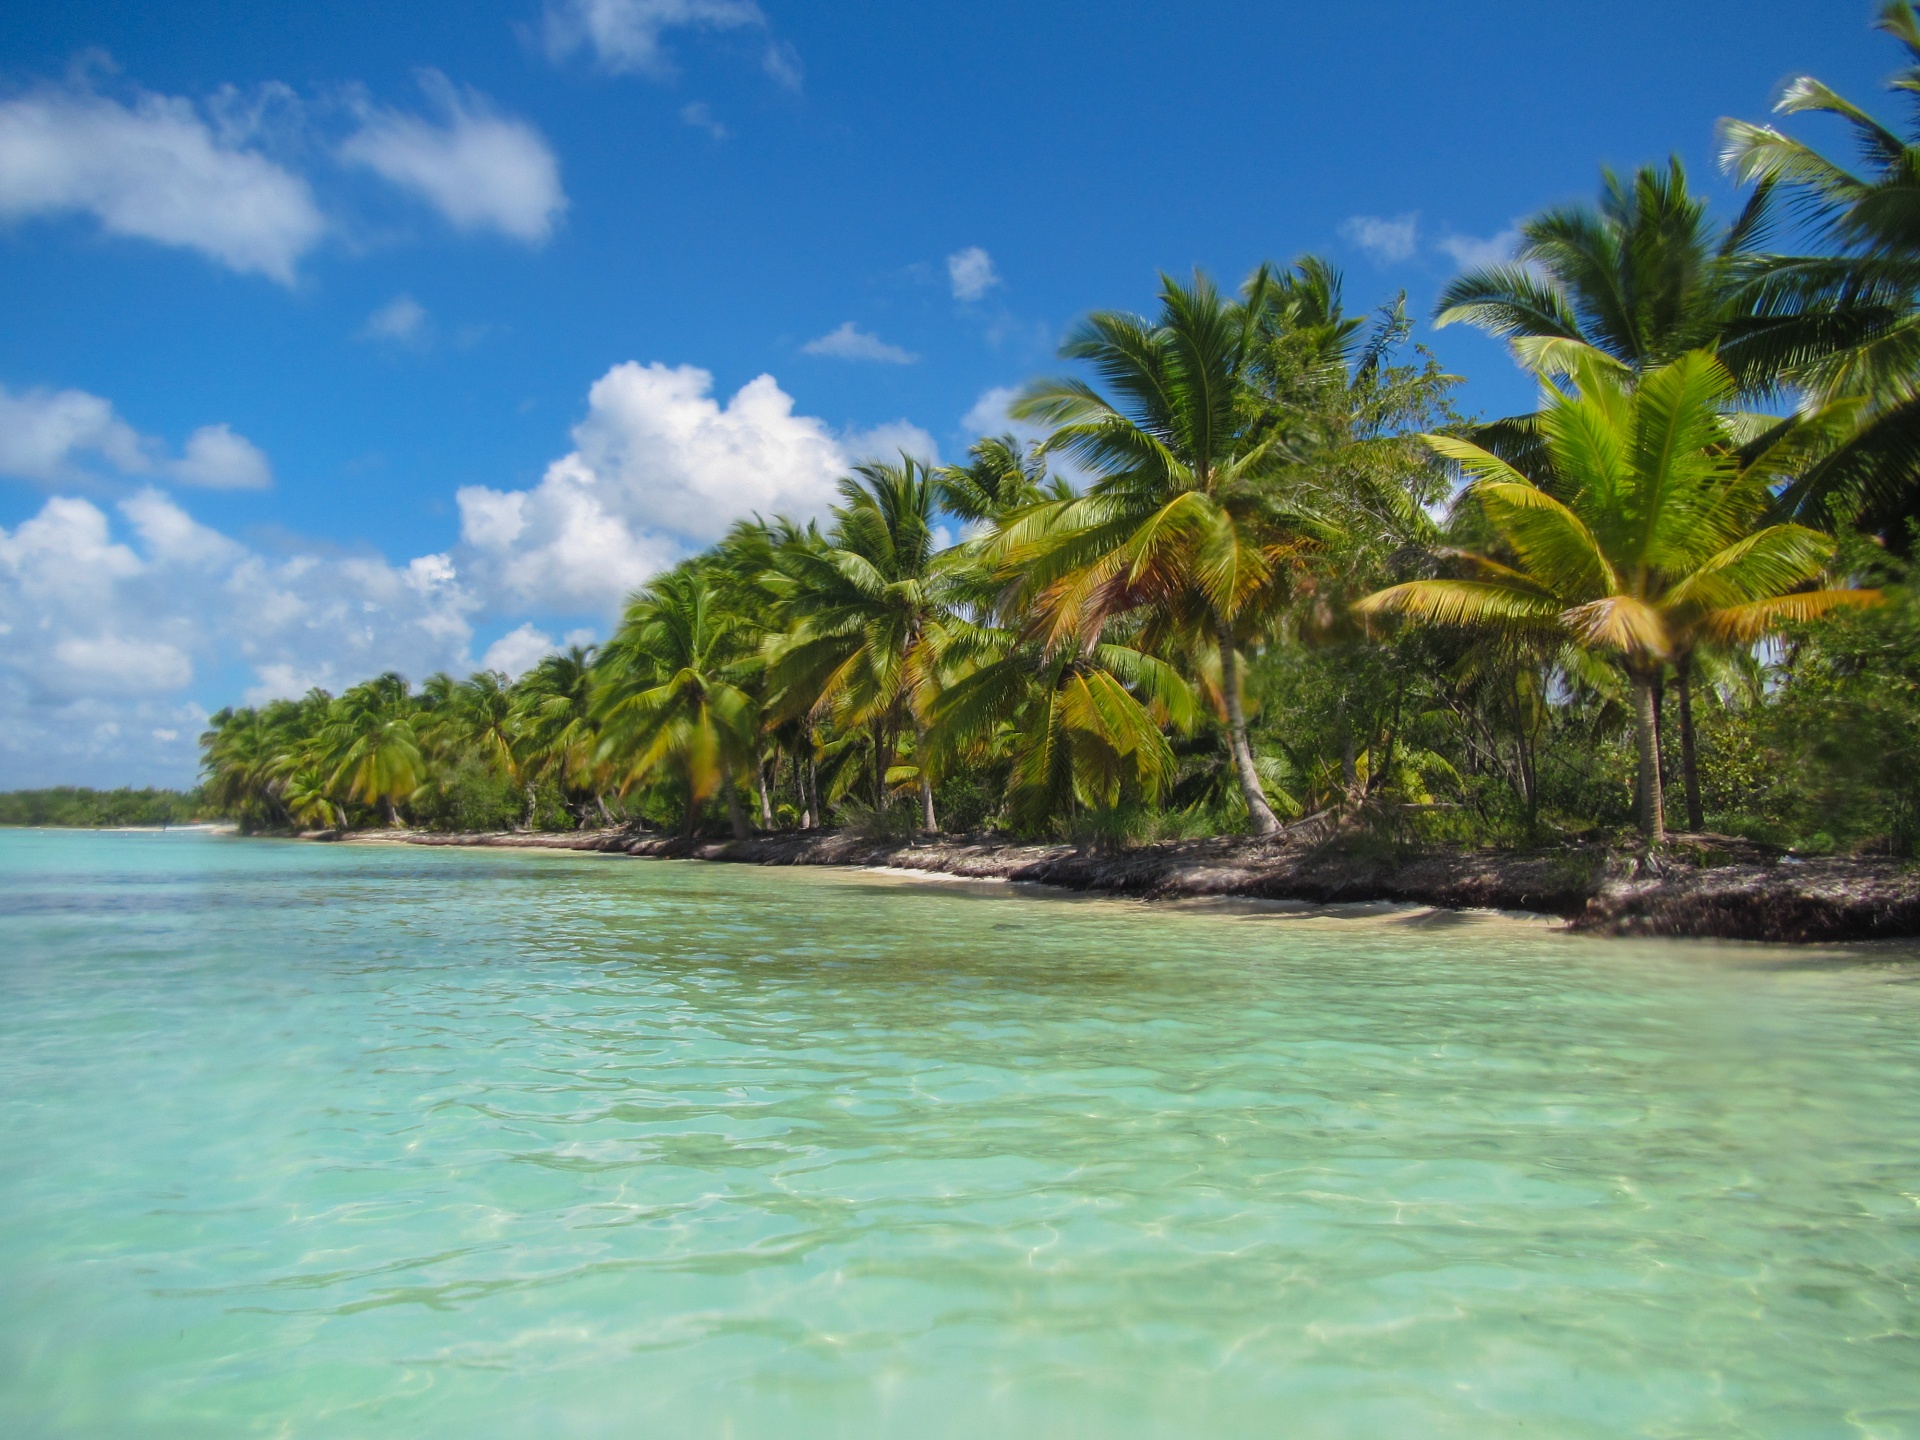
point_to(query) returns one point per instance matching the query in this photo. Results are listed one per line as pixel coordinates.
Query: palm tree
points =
(1643, 278)
(1649, 537)
(1001, 476)
(668, 696)
(1076, 725)
(371, 746)
(477, 717)
(1183, 525)
(1865, 295)
(871, 619)
(553, 723)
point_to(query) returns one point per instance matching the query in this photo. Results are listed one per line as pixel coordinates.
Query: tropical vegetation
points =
(71, 807)
(1250, 571)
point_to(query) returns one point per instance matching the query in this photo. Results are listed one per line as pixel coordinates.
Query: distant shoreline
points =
(1714, 887)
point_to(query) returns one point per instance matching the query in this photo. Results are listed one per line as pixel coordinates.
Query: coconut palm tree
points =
(1650, 536)
(1184, 527)
(553, 723)
(871, 619)
(478, 717)
(1079, 728)
(1867, 295)
(1001, 476)
(371, 747)
(668, 697)
(1642, 277)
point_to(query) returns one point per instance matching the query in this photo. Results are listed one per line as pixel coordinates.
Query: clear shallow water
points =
(343, 1141)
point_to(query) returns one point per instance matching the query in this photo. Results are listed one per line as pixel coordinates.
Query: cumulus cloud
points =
(480, 170)
(154, 169)
(402, 319)
(989, 413)
(1472, 253)
(218, 459)
(1387, 241)
(44, 435)
(114, 615)
(971, 273)
(518, 651)
(68, 437)
(660, 467)
(624, 35)
(850, 342)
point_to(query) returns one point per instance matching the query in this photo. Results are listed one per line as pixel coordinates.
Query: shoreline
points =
(1713, 888)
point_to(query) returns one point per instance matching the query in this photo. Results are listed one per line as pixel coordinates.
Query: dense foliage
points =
(68, 807)
(1294, 587)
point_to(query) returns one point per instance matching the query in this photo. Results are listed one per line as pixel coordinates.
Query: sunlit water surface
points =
(301, 1140)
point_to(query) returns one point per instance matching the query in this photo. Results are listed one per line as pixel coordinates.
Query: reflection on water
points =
(325, 1141)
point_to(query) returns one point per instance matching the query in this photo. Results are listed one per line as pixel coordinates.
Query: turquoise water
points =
(301, 1140)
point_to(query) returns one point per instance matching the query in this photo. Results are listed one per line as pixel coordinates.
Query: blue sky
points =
(347, 336)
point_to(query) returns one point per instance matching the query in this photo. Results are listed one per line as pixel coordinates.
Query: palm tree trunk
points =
(927, 821)
(530, 805)
(882, 762)
(736, 816)
(1653, 820)
(393, 815)
(692, 816)
(1259, 812)
(1689, 763)
(766, 802)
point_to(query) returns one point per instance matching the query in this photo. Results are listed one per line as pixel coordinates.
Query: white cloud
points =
(218, 459)
(971, 272)
(518, 651)
(1387, 241)
(989, 413)
(890, 442)
(783, 67)
(402, 319)
(44, 433)
(155, 170)
(113, 616)
(1471, 253)
(699, 114)
(68, 437)
(480, 170)
(850, 342)
(659, 468)
(624, 35)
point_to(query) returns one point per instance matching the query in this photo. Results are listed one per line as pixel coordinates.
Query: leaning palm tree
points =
(871, 620)
(1867, 294)
(669, 700)
(371, 746)
(1651, 536)
(1184, 527)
